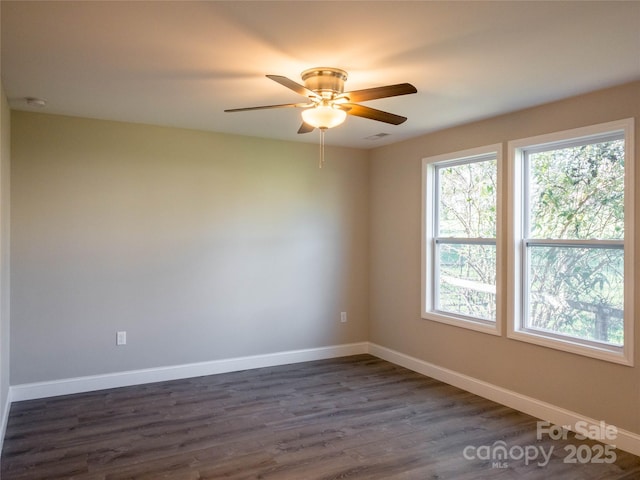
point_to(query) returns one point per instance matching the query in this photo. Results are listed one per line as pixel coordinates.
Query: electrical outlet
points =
(343, 317)
(121, 338)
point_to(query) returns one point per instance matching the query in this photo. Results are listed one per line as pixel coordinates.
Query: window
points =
(570, 259)
(459, 239)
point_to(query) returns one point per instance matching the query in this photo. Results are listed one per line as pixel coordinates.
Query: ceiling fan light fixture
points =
(324, 116)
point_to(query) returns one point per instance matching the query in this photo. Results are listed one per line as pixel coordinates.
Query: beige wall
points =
(601, 390)
(5, 154)
(201, 246)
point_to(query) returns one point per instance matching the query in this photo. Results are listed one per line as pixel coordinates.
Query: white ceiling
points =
(182, 63)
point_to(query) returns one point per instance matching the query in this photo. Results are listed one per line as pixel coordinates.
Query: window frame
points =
(517, 247)
(430, 239)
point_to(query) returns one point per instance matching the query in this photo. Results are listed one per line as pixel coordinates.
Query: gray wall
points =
(201, 246)
(598, 389)
(5, 154)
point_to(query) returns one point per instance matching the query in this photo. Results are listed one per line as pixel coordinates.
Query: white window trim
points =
(622, 355)
(427, 297)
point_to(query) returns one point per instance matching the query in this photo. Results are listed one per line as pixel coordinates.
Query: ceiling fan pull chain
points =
(321, 163)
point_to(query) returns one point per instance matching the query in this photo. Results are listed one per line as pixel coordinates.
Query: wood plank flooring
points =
(349, 418)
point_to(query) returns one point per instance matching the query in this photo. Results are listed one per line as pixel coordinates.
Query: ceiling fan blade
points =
(373, 114)
(296, 87)
(380, 92)
(264, 107)
(306, 128)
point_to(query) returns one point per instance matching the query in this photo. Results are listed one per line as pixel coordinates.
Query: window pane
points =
(467, 197)
(578, 192)
(577, 292)
(467, 280)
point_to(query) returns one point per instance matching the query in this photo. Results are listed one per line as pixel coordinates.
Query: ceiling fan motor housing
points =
(326, 81)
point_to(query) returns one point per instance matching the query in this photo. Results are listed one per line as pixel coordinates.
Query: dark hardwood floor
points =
(350, 418)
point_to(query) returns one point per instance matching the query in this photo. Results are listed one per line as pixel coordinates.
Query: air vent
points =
(35, 102)
(377, 136)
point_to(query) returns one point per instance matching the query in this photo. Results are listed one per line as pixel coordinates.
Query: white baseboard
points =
(31, 391)
(625, 440)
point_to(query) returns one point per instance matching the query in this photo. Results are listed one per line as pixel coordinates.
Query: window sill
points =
(609, 354)
(492, 328)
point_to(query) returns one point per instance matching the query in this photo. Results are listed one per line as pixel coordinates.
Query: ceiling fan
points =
(328, 104)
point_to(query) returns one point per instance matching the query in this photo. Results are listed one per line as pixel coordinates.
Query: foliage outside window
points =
(571, 264)
(460, 201)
